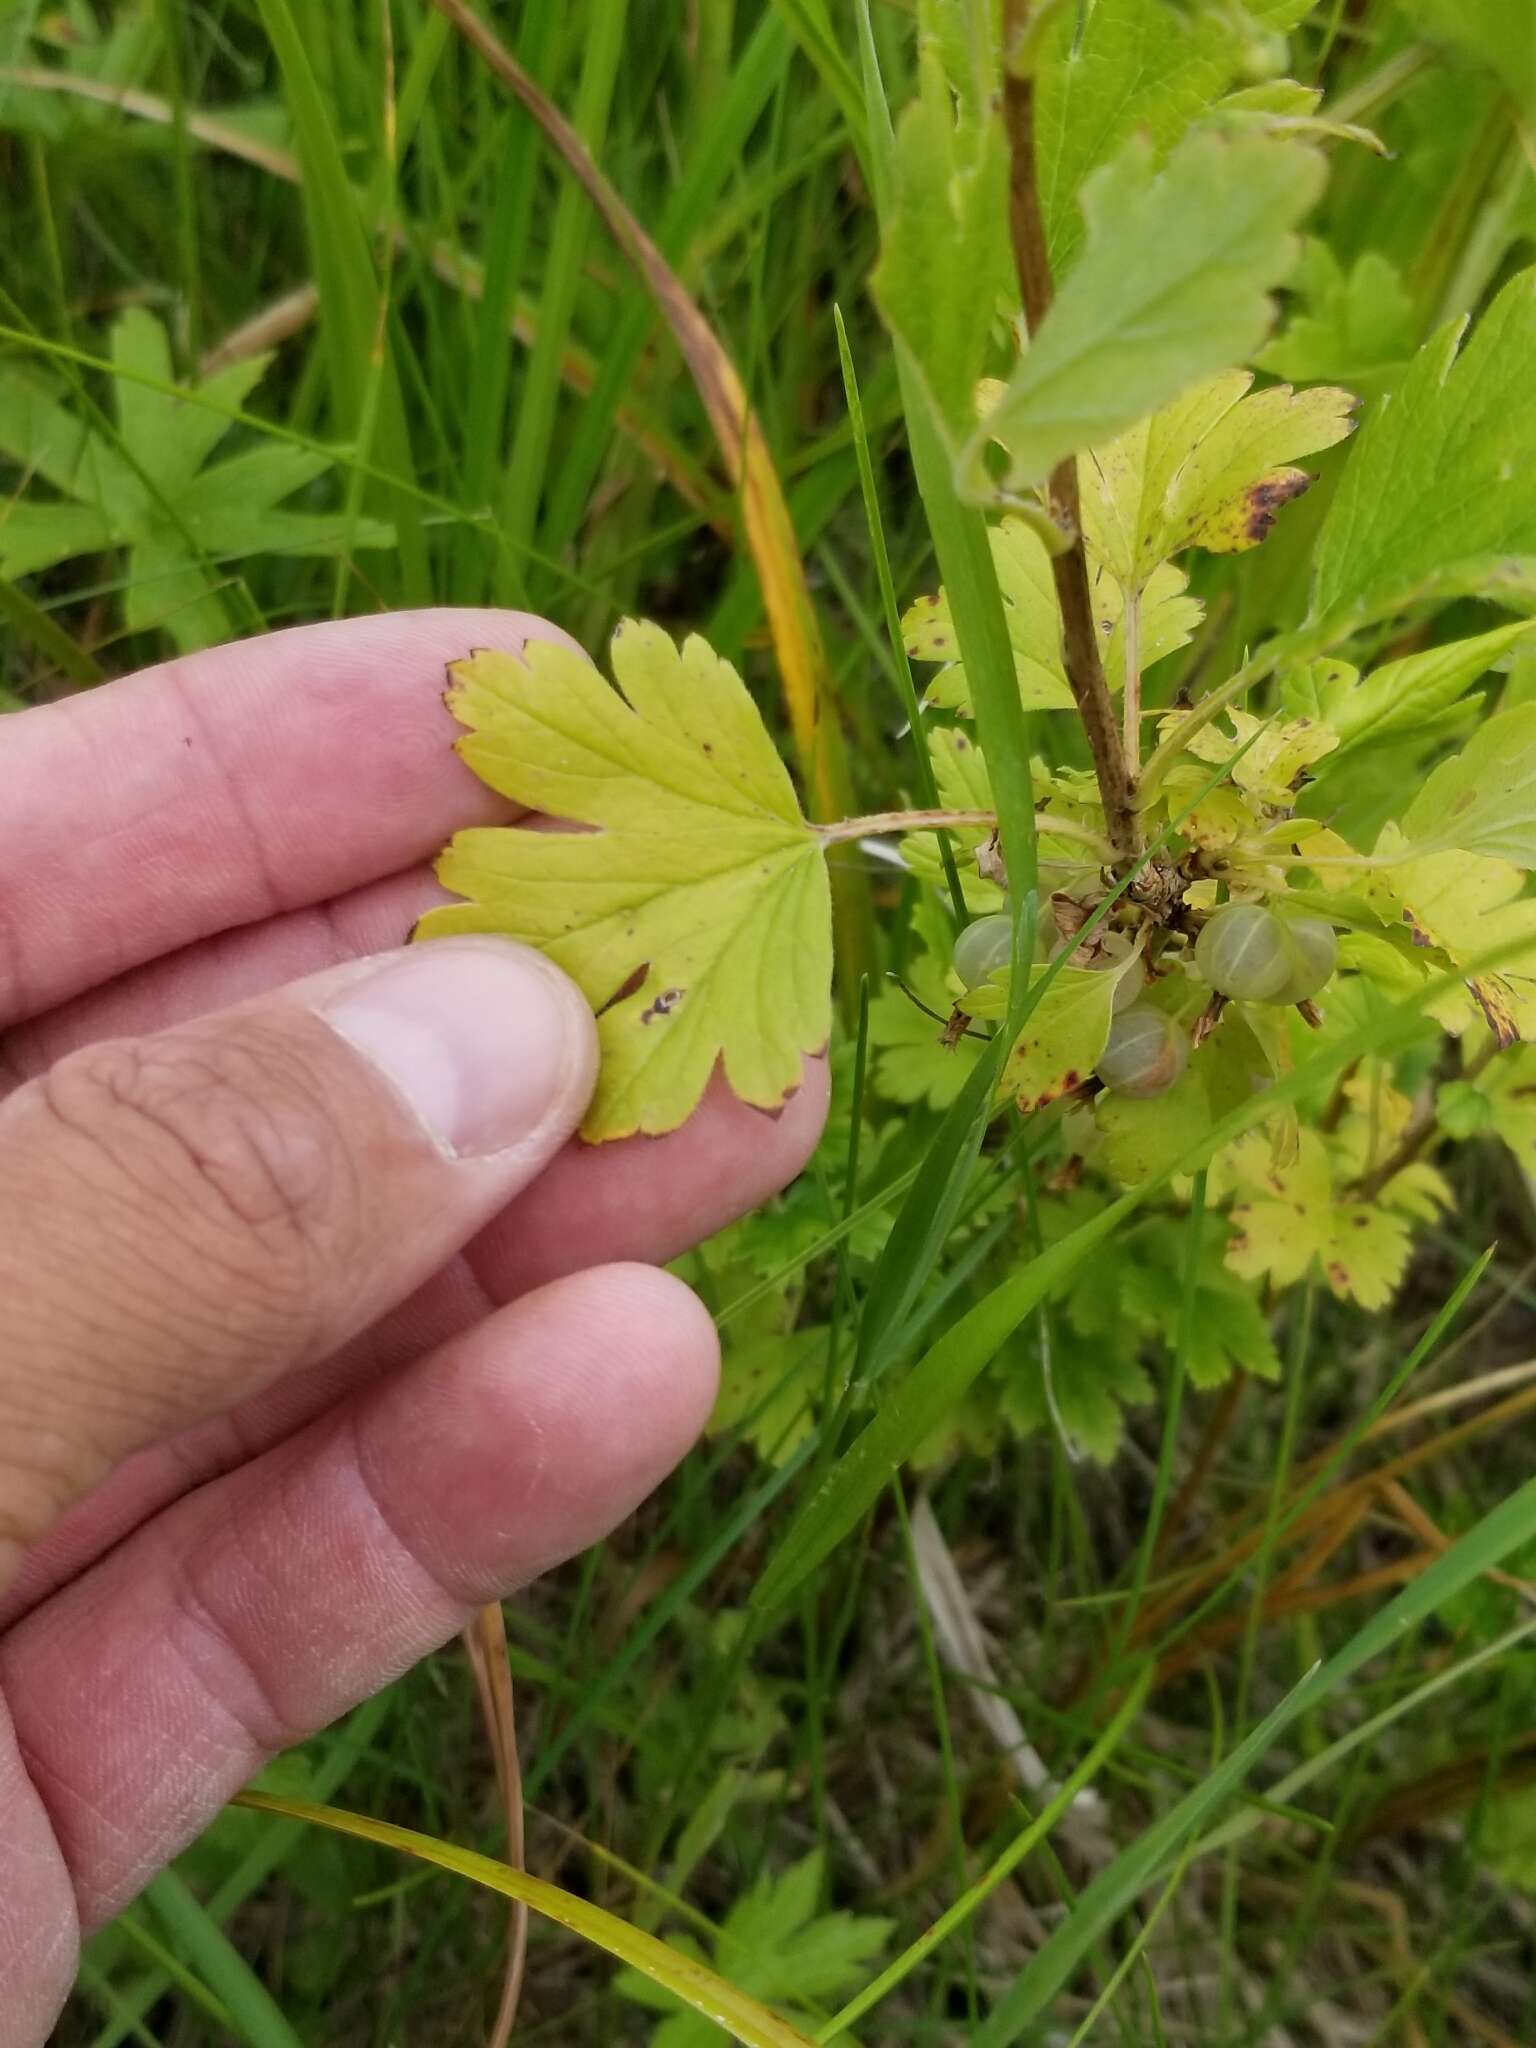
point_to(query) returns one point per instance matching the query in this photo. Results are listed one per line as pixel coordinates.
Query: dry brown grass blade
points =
(749, 464)
(1281, 1606)
(148, 106)
(1451, 1787)
(1334, 1534)
(1217, 1429)
(1462, 1395)
(1420, 1523)
(962, 1643)
(285, 316)
(1236, 1550)
(485, 1641)
(278, 321)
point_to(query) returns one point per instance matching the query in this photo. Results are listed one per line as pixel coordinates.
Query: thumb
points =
(186, 1217)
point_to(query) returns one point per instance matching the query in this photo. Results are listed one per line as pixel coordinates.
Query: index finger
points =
(228, 786)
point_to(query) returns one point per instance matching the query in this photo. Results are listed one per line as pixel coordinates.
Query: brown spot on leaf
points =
(663, 1006)
(1265, 499)
(627, 987)
(1339, 1275)
(1491, 993)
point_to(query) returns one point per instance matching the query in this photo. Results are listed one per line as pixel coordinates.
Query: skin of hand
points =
(319, 1328)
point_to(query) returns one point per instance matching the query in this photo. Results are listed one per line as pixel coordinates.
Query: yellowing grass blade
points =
(741, 2017)
(749, 464)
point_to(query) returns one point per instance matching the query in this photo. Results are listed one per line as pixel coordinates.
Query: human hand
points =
(293, 1374)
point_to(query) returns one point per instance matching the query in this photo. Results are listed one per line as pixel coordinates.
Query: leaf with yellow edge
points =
(691, 1981)
(1172, 286)
(1289, 1214)
(1465, 906)
(1266, 754)
(1211, 471)
(1168, 618)
(695, 918)
(1062, 1039)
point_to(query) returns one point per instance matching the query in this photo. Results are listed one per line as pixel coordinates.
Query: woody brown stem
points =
(1131, 720)
(1080, 643)
(1419, 1133)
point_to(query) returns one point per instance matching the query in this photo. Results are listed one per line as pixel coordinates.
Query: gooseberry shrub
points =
(1214, 872)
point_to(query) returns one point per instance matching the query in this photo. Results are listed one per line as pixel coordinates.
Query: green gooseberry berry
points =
(985, 945)
(1242, 952)
(1146, 1052)
(1315, 950)
(1256, 955)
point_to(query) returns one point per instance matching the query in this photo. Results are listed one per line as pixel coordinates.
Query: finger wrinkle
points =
(363, 1471)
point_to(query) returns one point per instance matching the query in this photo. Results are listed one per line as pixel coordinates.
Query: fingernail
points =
(487, 1043)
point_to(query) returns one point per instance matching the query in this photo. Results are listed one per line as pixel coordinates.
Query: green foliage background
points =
(225, 197)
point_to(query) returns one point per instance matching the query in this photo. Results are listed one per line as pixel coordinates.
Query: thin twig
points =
(1080, 643)
(1419, 1133)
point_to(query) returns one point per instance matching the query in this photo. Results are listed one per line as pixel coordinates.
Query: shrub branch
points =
(1080, 645)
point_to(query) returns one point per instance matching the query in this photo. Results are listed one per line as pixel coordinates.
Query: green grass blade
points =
(1023, 1843)
(255, 2014)
(505, 259)
(922, 761)
(539, 398)
(964, 552)
(1315, 1766)
(715, 155)
(921, 1402)
(926, 1217)
(1509, 1525)
(31, 623)
(813, 31)
(278, 1842)
(351, 323)
(689, 1981)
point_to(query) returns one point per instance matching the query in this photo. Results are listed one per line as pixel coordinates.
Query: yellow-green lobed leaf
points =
(1172, 286)
(696, 916)
(1440, 496)
(1061, 1042)
(1169, 615)
(1211, 470)
(1483, 800)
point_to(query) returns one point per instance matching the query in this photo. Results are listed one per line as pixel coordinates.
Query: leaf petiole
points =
(876, 822)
